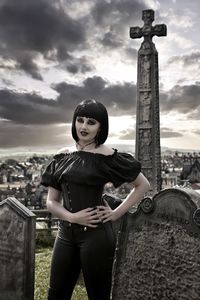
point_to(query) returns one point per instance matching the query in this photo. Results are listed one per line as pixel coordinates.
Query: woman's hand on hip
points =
(106, 213)
(87, 217)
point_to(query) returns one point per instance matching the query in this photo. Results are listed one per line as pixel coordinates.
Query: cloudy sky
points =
(55, 53)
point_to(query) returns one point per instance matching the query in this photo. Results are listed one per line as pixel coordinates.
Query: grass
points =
(42, 268)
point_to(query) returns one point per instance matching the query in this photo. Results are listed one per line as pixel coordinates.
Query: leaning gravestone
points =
(17, 251)
(158, 255)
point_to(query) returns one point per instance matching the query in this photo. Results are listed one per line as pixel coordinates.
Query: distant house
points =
(191, 171)
(196, 186)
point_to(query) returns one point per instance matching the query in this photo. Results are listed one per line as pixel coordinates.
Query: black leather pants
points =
(78, 247)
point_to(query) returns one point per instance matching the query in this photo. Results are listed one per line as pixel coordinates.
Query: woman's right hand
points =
(86, 217)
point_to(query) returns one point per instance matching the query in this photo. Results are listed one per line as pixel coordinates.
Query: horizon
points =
(19, 151)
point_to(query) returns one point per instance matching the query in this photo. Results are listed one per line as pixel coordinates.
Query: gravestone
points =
(158, 252)
(17, 251)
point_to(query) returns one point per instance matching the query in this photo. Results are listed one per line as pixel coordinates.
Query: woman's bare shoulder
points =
(66, 150)
(105, 150)
(63, 150)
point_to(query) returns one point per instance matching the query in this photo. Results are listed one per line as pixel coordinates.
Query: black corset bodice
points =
(77, 197)
(81, 176)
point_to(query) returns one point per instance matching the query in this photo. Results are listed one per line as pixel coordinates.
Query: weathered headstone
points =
(17, 251)
(147, 147)
(158, 254)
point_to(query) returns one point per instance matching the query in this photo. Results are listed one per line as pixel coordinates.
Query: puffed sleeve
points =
(122, 167)
(48, 177)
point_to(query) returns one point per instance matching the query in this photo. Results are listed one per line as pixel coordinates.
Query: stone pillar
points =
(147, 148)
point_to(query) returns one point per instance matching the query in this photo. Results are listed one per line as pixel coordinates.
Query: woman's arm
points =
(141, 186)
(54, 204)
(87, 217)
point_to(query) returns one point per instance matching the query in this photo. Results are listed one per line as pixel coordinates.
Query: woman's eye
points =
(91, 122)
(80, 120)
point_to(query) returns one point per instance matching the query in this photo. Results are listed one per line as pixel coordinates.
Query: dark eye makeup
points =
(80, 119)
(90, 121)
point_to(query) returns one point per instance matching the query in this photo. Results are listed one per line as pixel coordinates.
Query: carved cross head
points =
(148, 17)
(148, 31)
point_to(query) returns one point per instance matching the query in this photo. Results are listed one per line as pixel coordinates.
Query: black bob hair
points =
(95, 110)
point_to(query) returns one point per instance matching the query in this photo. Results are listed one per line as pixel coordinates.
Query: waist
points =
(78, 197)
(69, 225)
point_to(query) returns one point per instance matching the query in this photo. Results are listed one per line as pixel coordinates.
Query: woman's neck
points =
(85, 146)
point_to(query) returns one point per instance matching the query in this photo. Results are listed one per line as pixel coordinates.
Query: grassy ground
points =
(43, 258)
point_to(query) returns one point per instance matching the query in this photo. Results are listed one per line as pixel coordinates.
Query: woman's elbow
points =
(48, 204)
(142, 182)
(146, 185)
(53, 196)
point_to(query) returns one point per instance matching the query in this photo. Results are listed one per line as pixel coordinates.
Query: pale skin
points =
(87, 129)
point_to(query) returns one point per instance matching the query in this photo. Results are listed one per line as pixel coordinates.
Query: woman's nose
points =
(84, 125)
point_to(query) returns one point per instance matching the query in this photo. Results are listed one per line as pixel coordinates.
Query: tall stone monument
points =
(147, 119)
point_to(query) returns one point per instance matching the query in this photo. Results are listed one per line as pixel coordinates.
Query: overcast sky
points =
(55, 53)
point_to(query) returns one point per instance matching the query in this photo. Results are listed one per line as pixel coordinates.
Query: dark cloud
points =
(25, 108)
(27, 64)
(29, 136)
(78, 65)
(197, 131)
(118, 98)
(194, 115)
(110, 40)
(128, 134)
(116, 17)
(45, 28)
(114, 12)
(7, 82)
(131, 53)
(169, 133)
(187, 60)
(32, 120)
(31, 112)
(37, 27)
(182, 99)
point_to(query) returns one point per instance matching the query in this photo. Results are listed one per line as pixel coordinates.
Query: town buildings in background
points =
(20, 177)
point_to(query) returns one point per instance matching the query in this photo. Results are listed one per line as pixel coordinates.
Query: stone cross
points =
(148, 31)
(147, 148)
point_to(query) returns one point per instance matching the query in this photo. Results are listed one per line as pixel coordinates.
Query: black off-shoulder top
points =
(81, 175)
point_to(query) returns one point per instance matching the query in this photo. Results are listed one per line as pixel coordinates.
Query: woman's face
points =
(86, 128)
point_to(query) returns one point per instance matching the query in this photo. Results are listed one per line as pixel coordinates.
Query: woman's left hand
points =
(106, 213)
